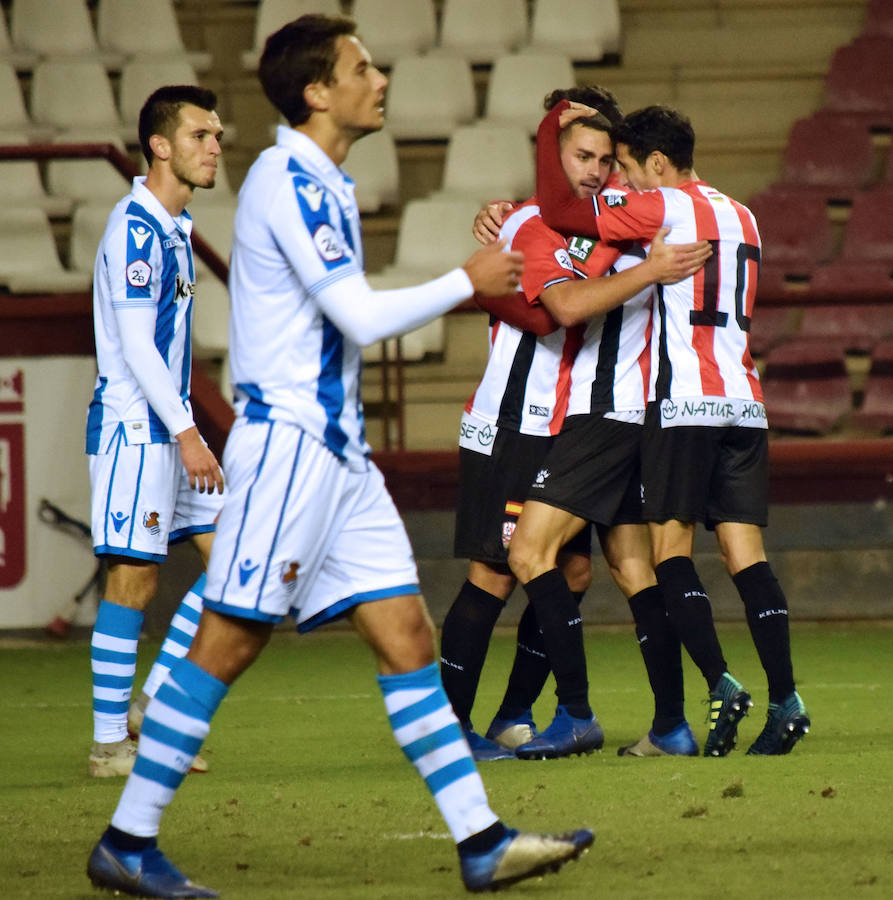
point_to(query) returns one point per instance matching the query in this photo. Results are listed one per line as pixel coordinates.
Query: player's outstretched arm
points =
(571, 302)
(514, 310)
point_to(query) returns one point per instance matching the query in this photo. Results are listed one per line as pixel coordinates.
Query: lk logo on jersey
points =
(580, 248)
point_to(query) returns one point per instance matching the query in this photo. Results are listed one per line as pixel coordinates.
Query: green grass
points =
(309, 796)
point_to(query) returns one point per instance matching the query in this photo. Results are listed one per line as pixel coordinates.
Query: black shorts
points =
(492, 490)
(592, 471)
(699, 473)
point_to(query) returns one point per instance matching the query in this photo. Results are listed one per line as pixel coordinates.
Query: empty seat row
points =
(124, 28)
(476, 31)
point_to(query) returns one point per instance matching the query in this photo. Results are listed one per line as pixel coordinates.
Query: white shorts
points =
(141, 501)
(302, 534)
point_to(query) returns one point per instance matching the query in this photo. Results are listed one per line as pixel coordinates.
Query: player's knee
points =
(577, 570)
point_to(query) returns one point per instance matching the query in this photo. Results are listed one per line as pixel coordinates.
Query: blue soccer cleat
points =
(729, 703)
(142, 873)
(511, 733)
(520, 855)
(481, 749)
(566, 736)
(786, 723)
(679, 742)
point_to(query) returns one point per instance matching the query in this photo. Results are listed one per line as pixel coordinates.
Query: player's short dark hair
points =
(658, 128)
(300, 53)
(593, 95)
(161, 111)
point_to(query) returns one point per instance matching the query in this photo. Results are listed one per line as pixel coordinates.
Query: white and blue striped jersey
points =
(144, 262)
(297, 231)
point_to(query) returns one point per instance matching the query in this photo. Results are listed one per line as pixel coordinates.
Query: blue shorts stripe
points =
(435, 701)
(154, 729)
(153, 771)
(444, 777)
(427, 744)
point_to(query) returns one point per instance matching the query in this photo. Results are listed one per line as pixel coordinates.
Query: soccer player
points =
(507, 428)
(308, 527)
(153, 479)
(705, 445)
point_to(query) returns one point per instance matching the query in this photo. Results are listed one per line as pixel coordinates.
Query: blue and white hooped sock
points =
(179, 636)
(177, 722)
(428, 731)
(113, 662)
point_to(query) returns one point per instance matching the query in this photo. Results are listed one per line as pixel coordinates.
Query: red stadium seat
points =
(828, 155)
(876, 412)
(806, 387)
(850, 328)
(860, 80)
(878, 17)
(770, 326)
(795, 230)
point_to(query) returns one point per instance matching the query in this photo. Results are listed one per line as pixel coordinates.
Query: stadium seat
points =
(21, 60)
(860, 80)
(372, 164)
(480, 32)
(157, 33)
(141, 76)
(429, 96)
(795, 230)
(488, 161)
(865, 263)
(29, 259)
(87, 180)
(87, 228)
(21, 184)
(853, 328)
(829, 155)
(770, 326)
(14, 116)
(73, 94)
(806, 387)
(394, 28)
(878, 17)
(59, 28)
(273, 14)
(434, 236)
(584, 30)
(519, 82)
(876, 411)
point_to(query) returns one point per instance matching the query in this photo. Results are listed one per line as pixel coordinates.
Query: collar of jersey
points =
(152, 205)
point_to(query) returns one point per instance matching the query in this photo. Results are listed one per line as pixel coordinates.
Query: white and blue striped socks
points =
(113, 662)
(179, 636)
(177, 722)
(427, 729)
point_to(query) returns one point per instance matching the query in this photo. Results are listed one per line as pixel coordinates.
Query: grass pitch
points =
(309, 796)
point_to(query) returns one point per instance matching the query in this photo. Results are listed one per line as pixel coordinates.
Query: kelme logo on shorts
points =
(581, 247)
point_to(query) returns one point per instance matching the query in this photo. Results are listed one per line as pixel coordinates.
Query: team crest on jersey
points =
(150, 522)
(140, 235)
(289, 574)
(139, 273)
(327, 244)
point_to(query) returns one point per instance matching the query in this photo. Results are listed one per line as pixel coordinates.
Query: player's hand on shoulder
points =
(489, 220)
(493, 270)
(676, 262)
(200, 463)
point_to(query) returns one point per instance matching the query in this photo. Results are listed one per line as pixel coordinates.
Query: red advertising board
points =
(12, 479)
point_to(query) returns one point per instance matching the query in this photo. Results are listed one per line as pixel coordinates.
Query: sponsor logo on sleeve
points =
(580, 248)
(312, 195)
(139, 273)
(328, 245)
(140, 235)
(614, 200)
(563, 260)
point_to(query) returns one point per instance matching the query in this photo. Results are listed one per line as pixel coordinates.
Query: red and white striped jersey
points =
(700, 339)
(531, 383)
(701, 325)
(526, 385)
